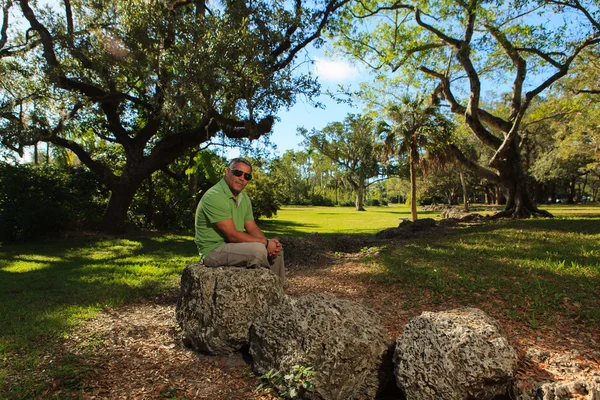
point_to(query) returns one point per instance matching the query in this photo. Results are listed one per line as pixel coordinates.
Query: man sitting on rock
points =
(226, 233)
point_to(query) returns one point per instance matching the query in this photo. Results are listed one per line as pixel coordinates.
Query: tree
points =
(146, 81)
(460, 44)
(415, 126)
(353, 146)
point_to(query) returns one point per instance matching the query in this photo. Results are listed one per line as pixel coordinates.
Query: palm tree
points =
(416, 126)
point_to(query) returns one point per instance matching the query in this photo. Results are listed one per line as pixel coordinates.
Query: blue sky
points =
(331, 72)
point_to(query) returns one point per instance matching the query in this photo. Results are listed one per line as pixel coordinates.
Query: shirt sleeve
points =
(249, 214)
(215, 210)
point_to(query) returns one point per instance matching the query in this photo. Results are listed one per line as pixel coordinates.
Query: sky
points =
(331, 72)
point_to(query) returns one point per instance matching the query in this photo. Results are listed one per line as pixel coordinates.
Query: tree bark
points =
(464, 190)
(413, 186)
(360, 197)
(115, 216)
(518, 202)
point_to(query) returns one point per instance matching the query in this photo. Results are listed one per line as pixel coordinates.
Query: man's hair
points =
(238, 160)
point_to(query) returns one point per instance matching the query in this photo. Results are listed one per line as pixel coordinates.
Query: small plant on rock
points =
(291, 385)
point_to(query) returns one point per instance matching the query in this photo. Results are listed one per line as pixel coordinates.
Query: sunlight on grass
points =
(299, 221)
(534, 269)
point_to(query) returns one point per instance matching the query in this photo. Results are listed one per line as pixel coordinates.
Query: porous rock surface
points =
(459, 214)
(583, 389)
(457, 354)
(576, 379)
(217, 306)
(342, 341)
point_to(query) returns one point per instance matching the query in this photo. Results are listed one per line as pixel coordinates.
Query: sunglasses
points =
(239, 173)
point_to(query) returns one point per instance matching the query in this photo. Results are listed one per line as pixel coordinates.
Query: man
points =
(226, 233)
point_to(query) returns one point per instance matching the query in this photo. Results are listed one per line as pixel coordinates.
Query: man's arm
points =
(274, 246)
(232, 235)
(254, 230)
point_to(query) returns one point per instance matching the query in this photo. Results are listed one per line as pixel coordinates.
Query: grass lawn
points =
(543, 268)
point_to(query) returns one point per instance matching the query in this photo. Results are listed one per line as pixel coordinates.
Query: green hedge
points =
(38, 201)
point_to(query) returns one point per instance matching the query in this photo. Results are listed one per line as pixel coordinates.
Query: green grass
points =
(299, 221)
(48, 287)
(532, 266)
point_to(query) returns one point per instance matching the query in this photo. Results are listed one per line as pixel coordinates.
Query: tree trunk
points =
(360, 197)
(413, 186)
(150, 205)
(582, 187)
(571, 194)
(518, 202)
(115, 216)
(464, 189)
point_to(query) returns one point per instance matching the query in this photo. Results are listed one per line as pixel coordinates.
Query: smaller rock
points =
(457, 354)
(460, 214)
(584, 389)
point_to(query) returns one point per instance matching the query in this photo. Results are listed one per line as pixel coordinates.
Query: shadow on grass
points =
(282, 227)
(534, 268)
(46, 287)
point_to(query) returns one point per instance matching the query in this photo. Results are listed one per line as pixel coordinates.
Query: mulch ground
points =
(135, 351)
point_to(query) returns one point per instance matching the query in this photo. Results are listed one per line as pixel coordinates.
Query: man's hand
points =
(274, 248)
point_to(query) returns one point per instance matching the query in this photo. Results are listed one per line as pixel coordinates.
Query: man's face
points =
(237, 183)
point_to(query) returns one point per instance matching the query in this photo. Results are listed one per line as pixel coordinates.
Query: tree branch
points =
(520, 65)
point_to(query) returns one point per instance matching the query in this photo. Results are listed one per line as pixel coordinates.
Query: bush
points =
(163, 203)
(38, 200)
(347, 203)
(264, 195)
(319, 200)
(373, 202)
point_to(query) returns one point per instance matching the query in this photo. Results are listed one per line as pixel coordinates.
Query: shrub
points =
(38, 200)
(320, 200)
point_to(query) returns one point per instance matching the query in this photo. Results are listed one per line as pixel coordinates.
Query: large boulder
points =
(342, 341)
(217, 306)
(454, 355)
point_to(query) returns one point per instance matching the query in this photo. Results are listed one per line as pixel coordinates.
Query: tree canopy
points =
(130, 86)
(464, 45)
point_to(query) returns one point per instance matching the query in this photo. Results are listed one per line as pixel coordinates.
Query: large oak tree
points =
(470, 46)
(129, 86)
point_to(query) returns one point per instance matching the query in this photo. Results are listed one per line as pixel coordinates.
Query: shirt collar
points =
(227, 190)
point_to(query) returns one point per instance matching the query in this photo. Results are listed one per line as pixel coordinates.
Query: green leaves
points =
(291, 385)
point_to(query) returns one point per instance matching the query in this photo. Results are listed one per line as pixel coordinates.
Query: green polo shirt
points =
(218, 204)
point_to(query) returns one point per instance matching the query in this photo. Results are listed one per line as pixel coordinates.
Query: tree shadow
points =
(58, 283)
(537, 268)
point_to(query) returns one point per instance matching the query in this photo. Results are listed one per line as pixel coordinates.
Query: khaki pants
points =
(245, 255)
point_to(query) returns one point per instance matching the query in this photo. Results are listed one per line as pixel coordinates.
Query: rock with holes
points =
(460, 214)
(341, 340)
(216, 306)
(454, 355)
(579, 379)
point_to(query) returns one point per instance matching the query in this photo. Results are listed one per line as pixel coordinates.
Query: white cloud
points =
(334, 70)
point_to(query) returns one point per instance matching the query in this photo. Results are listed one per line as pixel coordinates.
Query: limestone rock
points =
(216, 306)
(459, 214)
(457, 354)
(406, 228)
(342, 341)
(584, 389)
(578, 380)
